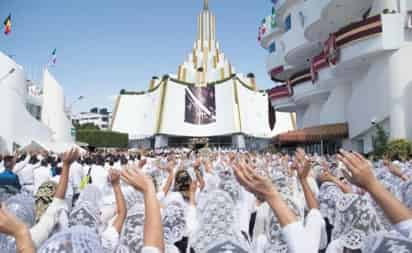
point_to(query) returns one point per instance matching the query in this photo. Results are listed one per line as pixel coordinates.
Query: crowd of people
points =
(214, 201)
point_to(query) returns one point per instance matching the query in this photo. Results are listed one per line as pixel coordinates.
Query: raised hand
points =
(304, 165)
(70, 156)
(327, 177)
(361, 172)
(114, 177)
(10, 224)
(258, 185)
(138, 180)
(142, 163)
(171, 166)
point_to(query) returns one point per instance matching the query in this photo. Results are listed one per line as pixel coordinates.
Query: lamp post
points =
(70, 107)
(11, 71)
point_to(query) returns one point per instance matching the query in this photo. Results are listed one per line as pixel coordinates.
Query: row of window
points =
(287, 26)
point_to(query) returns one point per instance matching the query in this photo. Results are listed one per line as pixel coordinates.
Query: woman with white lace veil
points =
(360, 173)
(217, 231)
(22, 206)
(356, 219)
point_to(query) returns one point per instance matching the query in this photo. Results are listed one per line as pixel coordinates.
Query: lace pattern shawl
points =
(387, 243)
(78, 239)
(174, 222)
(131, 237)
(216, 223)
(356, 219)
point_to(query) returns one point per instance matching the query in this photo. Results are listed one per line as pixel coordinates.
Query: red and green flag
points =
(7, 25)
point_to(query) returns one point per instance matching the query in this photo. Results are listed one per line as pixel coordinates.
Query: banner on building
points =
(200, 105)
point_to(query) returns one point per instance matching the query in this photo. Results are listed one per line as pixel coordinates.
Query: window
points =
(302, 19)
(272, 47)
(288, 23)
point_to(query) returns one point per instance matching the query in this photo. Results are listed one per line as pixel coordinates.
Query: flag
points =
(54, 57)
(7, 25)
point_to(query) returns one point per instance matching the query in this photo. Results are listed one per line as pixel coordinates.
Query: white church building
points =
(206, 103)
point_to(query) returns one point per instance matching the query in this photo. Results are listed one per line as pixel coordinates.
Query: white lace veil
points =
(174, 222)
(356, 219)
(387, 243)
(216, 225)
(276, 242)
(407, 193)
(329, 193)
(23, 207)
(77, 239)
(131, 237)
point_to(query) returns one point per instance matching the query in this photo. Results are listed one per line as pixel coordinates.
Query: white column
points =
(400, 92)
(239, 141)
(161, 141)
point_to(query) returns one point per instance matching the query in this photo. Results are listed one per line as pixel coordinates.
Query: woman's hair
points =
(182, 183)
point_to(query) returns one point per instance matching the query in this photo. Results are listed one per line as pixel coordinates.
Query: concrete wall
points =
(400, 93)
(312, 115)
(370, 98)
(333, 110)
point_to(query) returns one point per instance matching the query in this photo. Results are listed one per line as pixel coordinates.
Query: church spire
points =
(206, 24)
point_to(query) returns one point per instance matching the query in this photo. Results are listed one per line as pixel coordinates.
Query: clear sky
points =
(106, 45)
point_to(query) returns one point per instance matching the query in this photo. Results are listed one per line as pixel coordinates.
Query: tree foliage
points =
(87, 126)
(399, 149)
(380, 141)
(102, 139)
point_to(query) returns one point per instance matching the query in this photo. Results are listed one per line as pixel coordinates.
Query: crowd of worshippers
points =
(214, 201)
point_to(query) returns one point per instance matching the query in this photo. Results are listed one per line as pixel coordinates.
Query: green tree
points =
(87, 126)
(399, 149)
(380, 141)
(102, 139)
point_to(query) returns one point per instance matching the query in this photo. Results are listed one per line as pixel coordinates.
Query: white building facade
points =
(98, 117)
(30, 114)
(342, 62)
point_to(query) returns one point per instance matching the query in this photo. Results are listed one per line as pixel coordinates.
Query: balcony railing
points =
(280, 92)
(330, 55)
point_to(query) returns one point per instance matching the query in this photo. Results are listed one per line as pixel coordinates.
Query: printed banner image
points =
(200, 105)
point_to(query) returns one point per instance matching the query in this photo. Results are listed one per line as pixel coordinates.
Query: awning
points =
(314, 134)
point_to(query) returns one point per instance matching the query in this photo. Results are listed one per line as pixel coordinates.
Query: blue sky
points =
(106, 45)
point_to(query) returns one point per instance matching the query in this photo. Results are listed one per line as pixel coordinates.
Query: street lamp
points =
(11, 71)
(70, 107)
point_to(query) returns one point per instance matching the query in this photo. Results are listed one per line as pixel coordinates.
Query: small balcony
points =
(281, 99)
(323, 17)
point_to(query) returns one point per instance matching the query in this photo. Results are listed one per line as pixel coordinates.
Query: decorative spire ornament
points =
(205, 4)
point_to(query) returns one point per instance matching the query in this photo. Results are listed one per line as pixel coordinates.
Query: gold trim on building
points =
(293, 118)
(184, 72)
(237, 107)
(160, 108)
(116, 107)
(179, 72)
